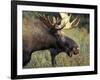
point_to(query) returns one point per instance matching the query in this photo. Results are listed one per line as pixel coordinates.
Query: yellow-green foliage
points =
(40, 59)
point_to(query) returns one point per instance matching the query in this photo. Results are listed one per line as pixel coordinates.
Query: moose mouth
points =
(74, 51)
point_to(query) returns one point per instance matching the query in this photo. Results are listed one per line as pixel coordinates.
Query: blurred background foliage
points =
(42, 58)
(84, 23)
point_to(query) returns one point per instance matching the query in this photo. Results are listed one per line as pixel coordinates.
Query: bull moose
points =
(45, 32)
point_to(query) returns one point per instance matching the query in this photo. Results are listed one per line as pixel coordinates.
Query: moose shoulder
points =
(44, 32)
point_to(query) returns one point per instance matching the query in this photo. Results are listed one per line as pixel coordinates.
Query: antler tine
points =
(58, 20)
(54, 21)
(70, 15)
(77, 20)
(49, 20)
(45, 20)
(44, 17)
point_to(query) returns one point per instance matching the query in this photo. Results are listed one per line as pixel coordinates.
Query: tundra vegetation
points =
(80, 34)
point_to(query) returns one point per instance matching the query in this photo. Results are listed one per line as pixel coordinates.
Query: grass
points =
(42, 58)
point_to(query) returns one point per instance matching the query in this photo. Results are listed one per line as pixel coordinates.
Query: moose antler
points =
(45, 19)
(66, 21)
(52, 23)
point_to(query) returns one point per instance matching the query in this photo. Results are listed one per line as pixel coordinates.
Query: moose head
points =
(55, 26)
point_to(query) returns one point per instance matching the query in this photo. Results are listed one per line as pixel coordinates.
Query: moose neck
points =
(58, 34)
